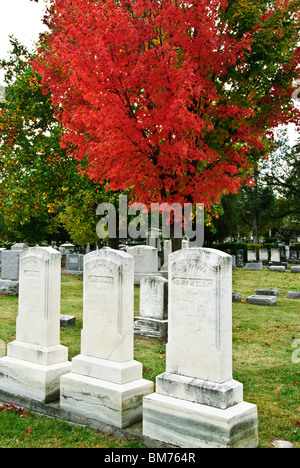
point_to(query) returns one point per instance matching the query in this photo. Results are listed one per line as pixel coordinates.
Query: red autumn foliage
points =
(144, 92)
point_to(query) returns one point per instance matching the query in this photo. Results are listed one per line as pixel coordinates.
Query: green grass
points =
(262, 361)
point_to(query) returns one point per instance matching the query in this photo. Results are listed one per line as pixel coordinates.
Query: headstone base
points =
(34, 371)
(105, 391)
(9, 288)
(267, 292)
(191, 425)
(153, 328)
(204, 392)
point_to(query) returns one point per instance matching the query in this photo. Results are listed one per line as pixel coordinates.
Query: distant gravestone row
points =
(273, 255)
(196, 403)
(276, 259)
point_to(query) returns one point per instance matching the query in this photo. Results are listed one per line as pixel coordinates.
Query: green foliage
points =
(233, 247)
(42, 189)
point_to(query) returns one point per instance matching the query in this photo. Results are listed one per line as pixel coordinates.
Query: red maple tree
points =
(158, 94)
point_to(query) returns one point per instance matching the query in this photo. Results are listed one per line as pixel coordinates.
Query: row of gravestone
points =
(196, 403)
(276, 255)
(145, 261)
(282, 267)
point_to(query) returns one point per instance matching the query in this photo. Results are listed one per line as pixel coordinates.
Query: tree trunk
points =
(176, 243)
(255, 228)
(113, 243)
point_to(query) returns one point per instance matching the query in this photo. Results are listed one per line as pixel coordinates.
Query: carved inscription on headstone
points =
(39, 297)
(199, 300)
(107, 316)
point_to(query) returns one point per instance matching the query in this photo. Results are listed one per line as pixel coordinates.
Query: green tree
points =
(256, 206)
(281, 172)
(43, 189)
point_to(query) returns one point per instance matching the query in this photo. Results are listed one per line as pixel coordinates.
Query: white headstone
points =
(275, 255)
(200, 323)
(263, 255)
(167, 252)
(197, 403)
(36, 360)
(145, 261)
(106, 383)
(251, 255)
(153, 319)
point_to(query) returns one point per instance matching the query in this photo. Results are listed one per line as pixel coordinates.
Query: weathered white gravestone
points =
(153, 319)
(35, 360)
(264, 255)
(275, 255)
(145, 261)
(251, 255)
(197, 403)
(106, 384)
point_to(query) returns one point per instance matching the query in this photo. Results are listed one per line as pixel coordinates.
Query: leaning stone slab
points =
(254, 266)
(293, 295)
(262, 300)
(267, 292)
(295, 269)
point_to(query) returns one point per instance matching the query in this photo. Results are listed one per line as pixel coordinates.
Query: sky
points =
(22, 19)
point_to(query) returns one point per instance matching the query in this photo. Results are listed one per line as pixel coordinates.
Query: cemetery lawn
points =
(263, 339)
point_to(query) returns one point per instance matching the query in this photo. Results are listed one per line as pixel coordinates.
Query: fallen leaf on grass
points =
(28, 431)
(267, 343)
(297, 423)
